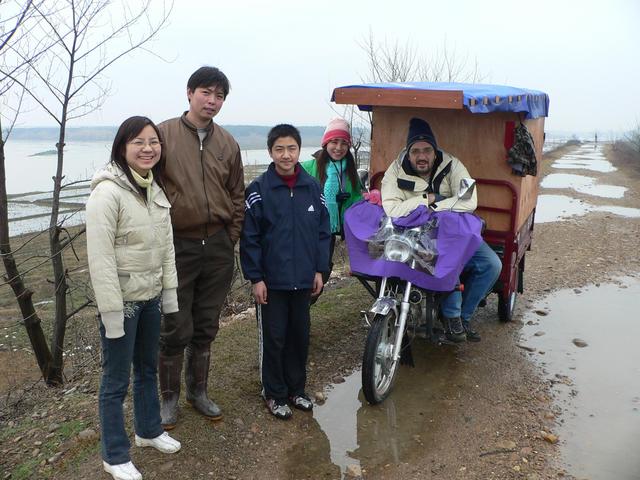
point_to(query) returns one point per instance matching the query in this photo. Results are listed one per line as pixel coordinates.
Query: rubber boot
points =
(169, 371)
(195, 378)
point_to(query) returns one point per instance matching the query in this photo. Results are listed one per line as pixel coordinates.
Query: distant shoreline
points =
(45, 153)
(249, 137)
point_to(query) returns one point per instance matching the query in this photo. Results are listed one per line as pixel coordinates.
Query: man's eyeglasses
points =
(414, 152)
(142, 143)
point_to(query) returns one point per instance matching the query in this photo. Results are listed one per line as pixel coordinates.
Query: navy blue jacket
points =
(285, 237)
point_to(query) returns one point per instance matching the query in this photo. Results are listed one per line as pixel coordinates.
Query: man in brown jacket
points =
(205, 185)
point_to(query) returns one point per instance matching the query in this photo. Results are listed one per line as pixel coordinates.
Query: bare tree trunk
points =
(72, 35)
(356, 149)
(23, 295)
(59, 272)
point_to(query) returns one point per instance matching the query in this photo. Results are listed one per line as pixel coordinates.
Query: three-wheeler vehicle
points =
(478, 124)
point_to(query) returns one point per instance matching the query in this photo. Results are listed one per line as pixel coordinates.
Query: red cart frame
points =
(511, 247)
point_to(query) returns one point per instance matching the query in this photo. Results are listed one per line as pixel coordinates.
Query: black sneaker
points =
(301, 402)
(472, 335)
(454, 330)
(279, 409)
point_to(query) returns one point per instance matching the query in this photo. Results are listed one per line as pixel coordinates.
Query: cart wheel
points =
(506, 306)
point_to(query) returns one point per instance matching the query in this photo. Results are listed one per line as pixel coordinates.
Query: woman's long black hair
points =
(322, 161)
(129, 130)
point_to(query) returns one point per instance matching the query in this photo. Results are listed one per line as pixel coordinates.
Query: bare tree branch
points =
(45, 78)
(46, 260)
(125, 52)
(124, 28)
(30, 92)
(74, 183)
(395, 62)
(86, 304)
(66, 82)
(21, 18)
(54, 29)
(15, 117)
(13, 252)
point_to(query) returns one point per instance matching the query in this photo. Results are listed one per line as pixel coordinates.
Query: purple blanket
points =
(458, 239)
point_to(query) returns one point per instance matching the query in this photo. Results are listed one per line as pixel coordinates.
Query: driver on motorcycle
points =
(424, 175)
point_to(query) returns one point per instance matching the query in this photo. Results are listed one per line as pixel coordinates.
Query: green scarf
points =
(143, 182)
(331, 189)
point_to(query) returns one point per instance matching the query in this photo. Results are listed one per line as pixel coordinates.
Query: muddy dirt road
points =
(501, 409)
(517, 405)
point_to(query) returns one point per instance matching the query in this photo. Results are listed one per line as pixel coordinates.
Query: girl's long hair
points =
(322, 161)
(129, 130)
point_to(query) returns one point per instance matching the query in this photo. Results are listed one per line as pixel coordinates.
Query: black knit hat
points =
(420, 131)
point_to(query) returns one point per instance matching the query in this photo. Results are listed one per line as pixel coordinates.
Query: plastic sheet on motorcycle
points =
(458, 237)
(416, 247)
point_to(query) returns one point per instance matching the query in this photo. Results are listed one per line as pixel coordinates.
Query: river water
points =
(29, 172)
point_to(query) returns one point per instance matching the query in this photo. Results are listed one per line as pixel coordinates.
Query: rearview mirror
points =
(465, 191)
(467, 186)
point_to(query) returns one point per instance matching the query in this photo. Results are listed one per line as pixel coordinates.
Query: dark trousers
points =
(332, 247)
(205, 270)
(327, 275)
(283, 328)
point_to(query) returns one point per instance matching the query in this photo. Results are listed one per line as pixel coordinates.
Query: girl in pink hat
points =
(335, 168)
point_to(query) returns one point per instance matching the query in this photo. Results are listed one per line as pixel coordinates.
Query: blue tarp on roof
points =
(532, 103)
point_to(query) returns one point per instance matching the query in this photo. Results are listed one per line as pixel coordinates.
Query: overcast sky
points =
(284, 58)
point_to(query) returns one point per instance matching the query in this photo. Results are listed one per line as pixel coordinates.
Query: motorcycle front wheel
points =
(378, 366)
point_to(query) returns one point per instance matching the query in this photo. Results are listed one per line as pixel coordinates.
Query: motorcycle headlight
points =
(397, 249)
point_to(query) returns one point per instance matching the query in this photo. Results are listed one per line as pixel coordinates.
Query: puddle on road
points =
(585, 158)
(598, 385)
(586, 155)
(554, 208)
(580, 163)
(346, 430)
(582, 184)
(622, 211)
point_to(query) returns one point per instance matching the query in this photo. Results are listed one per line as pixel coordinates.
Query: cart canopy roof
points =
(475, 97)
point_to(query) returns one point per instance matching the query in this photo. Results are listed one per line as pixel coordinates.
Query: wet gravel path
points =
(481, 411)
(494, 416)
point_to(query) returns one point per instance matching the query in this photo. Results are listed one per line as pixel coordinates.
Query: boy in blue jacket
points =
(284, 249)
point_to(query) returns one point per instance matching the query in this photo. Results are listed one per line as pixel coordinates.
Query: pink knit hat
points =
(337, 128)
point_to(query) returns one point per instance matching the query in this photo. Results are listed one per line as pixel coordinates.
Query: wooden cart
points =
(475, 123)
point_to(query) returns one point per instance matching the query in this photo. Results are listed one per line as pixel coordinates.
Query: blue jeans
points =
(481, 271)
(139, 347)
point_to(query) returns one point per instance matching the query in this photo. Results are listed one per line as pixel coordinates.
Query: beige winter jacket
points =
(403, 191)
(129, 246)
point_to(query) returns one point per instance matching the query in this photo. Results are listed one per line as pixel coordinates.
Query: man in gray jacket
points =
(205, 184)
(424, 175)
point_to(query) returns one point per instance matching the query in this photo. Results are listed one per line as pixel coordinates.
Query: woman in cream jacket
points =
(133, 273)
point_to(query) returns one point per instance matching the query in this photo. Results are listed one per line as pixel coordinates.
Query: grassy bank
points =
(337, 337)
(40, 425)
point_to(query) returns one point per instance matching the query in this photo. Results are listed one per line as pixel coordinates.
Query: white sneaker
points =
(162, 442)
(123, 471)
